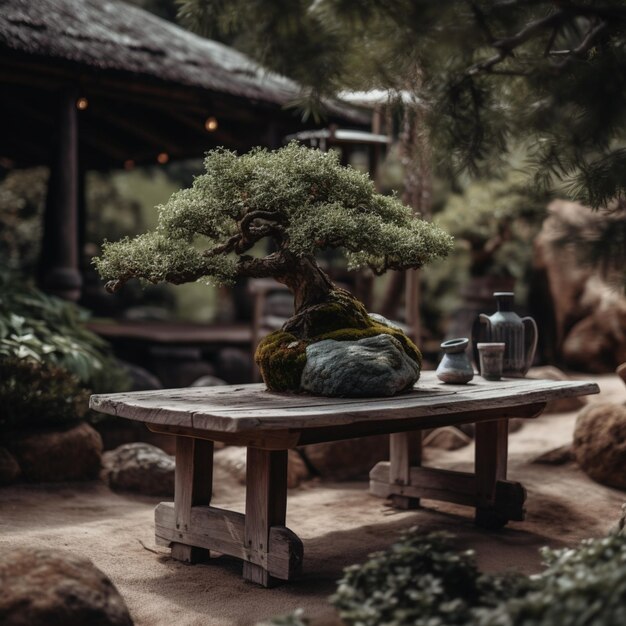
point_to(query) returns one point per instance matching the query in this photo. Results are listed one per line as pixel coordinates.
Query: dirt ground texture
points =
(339, 523)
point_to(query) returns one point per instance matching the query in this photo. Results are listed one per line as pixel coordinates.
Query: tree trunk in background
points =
(416, 160)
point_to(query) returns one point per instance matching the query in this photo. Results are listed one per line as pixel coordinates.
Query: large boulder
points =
(59, 454)
(447, 438)
(588, 317)
(232, 460)
(348, 459)
(371, 367)
(140, 467)
(54, 588)
(600, 443)
(9, 467)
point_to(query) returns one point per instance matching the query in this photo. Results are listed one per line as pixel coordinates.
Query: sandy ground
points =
(339, 523)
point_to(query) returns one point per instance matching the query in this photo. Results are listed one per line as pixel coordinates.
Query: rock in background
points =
(232, 459)
(50, 587)
(600, 443)
(9, 468)
(348, 459)
(588, 317)
(55, 455)
(141, 468)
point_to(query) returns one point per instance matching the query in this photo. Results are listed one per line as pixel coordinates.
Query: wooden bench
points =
(271, 423)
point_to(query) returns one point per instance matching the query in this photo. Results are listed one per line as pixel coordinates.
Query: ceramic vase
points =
(455, 367)
(505, 326)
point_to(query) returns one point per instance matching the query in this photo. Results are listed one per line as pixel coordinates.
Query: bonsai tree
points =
(301, 200)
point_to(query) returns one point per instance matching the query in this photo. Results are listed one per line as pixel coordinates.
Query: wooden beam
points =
(449, 486)
(60, 273)
(266, 506)
(405, 452)
(223, 531)
(193, 486)
(490, 461)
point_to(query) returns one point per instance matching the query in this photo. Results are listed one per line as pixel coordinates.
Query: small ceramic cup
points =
(491, 359)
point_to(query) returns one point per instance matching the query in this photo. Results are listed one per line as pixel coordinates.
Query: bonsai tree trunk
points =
(307, 281)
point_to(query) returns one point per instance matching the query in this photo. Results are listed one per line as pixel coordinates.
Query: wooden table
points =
(271, 423)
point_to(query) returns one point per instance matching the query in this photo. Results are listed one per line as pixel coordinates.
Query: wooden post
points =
(266, 506)
(490, 466)
(59, 256)
(193, 486)
(405, 451)
(412, 305)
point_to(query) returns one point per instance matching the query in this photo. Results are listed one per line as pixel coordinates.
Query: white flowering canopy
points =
(302, 199)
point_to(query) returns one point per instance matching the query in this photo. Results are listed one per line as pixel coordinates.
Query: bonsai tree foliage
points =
(301, 200)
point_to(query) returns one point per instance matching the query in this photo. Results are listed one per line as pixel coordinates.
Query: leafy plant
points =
(51, 331)
(22, 194)
(422, 580)
(34, 393)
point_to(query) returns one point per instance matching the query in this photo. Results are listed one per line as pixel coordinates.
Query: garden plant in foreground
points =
(302, 200)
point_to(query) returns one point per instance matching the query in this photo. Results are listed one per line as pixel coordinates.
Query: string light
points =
(82, 103)
(210, 124)
(129, 164)
(163, 158)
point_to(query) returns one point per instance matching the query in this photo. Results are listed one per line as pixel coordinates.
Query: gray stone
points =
(9, 467)
(372, 367)
(57, 454)
(140, 467)
(140, 378)
(232, 459)
(42, 586)
(383, 321)
(348, 459)
(600, 443)
(208, 381)
(447, 438)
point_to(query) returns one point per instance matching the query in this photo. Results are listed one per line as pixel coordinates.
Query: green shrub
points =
(49, 330)
(421, 580)
(33, 393)
(424, 581)
(580, 586)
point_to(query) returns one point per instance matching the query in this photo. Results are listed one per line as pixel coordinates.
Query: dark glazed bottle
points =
(519, 335)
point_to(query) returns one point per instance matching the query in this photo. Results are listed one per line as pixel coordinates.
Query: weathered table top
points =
(240, 408)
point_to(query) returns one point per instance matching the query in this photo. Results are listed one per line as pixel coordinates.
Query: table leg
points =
(266, 506)
(193, 486)
(490, 467)
(405, 451)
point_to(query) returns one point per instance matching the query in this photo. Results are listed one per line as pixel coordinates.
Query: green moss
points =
(281, 358)
(342, 311)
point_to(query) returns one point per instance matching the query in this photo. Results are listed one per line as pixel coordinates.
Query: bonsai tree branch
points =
(302, 200)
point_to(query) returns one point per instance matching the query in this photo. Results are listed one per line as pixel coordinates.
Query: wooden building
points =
(101, 84)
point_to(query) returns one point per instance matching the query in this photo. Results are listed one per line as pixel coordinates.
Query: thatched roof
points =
(150, 86)
(111, 35)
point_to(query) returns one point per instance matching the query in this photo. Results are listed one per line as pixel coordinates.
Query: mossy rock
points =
(281, 356)
(354, 334)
